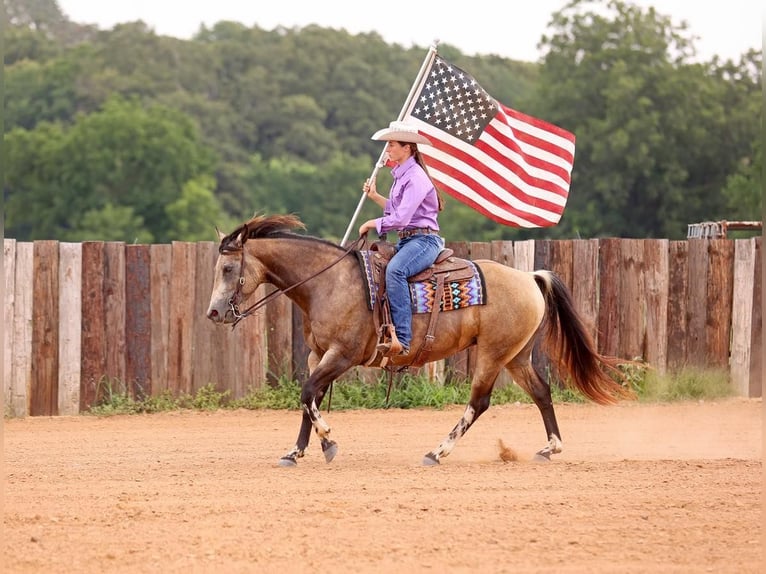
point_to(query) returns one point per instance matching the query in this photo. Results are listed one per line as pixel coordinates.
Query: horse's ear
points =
(243, 236)
(220, 234)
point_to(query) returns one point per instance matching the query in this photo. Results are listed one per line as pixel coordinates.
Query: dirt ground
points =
(638, 488)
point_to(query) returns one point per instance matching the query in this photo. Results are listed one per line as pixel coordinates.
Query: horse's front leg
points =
(311, 418)
(312, 393)
(304, 434)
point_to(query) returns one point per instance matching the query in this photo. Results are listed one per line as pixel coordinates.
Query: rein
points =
(239, 315)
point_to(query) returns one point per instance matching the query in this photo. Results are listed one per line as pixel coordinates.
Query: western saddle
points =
(446, 266)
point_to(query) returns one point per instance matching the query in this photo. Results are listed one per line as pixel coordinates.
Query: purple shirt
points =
(412, 201)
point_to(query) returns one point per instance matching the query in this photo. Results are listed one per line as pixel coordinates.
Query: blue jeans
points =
(413, 254)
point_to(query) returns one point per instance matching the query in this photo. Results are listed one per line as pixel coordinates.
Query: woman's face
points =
(398, 152)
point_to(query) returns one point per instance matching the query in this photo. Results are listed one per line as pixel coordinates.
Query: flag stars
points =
(454, 102)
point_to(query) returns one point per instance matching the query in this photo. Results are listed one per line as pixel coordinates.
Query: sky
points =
(726, 29)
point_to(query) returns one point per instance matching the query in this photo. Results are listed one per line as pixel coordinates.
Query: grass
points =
(688, 384)
(407, 392)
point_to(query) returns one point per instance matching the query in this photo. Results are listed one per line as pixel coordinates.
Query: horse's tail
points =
(596, 376)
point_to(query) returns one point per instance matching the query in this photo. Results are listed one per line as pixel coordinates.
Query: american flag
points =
(513, 168)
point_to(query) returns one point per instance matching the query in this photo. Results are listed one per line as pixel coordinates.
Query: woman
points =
(411, 210)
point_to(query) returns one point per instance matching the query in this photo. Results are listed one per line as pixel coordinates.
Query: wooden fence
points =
(83, 317)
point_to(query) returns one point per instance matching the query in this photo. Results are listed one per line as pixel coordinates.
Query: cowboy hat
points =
(400, 132)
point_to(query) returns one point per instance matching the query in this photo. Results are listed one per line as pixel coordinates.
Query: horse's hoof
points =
(542, 457)
(430, 460)
(330, 449)
(287, 462)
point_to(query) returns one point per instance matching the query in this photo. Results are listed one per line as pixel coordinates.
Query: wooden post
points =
(114, 314)
(502, 252)
(138, 321)
(208, 364)
(656, 293)
(678, 296)
(561, 261)
(480, 250)
(160, 272)
(610, 279)
(182, 286)
(22, 331)
(585, 282)
(524, 255)
(70, 328)
(756, 356)
(697, 302)
(631, 307)
(93, 335)
(719, 291)
(742, 315)
(45, 329)
(9, 270)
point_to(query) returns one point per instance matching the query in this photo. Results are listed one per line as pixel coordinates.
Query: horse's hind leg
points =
(529, 379)
(481, 389)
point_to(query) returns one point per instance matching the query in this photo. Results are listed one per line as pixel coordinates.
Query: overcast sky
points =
(509, 29)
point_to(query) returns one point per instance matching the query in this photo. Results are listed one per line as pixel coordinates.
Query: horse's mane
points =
(260, 226)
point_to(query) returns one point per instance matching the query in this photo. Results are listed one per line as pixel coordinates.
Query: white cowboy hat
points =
(400, 132)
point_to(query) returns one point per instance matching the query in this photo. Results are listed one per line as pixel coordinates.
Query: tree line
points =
(126, 135)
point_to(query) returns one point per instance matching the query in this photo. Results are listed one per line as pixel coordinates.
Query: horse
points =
(326, 283)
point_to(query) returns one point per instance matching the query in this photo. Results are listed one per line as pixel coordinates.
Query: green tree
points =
(40, 91)
(123, 155)
(24, 44)
(654, 139)
(196, 213)
(744, 189)
(109, 223)
(325, 196)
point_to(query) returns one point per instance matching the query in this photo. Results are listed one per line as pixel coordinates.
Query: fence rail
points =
(79, 314)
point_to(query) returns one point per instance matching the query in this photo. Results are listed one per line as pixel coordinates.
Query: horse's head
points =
(237, 275)
(238, 272)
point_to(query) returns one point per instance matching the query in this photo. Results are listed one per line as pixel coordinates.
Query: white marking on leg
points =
(460, 429)
(295, 453)
(554, 446)
(320, 426)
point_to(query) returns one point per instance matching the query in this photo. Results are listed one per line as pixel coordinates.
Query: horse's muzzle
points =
(220, 318)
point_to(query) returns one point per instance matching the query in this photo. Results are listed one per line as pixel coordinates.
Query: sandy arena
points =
(638, 488)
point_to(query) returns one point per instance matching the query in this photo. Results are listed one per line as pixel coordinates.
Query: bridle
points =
(234, 306)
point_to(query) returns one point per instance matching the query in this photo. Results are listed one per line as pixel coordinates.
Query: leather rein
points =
(239, 315)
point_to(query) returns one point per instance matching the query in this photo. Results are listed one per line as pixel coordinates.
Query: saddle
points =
(446, 267)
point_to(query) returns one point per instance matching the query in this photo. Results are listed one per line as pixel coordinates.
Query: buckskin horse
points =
(326, 282)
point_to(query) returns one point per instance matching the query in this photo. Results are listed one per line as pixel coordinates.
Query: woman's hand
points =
(370, 189)
(368, 225)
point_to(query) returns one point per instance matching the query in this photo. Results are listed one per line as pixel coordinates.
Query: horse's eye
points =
(228, 268)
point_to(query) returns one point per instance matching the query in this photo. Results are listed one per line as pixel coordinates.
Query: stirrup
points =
(390, 348)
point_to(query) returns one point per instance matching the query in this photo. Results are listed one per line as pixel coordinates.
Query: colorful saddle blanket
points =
(456, 294)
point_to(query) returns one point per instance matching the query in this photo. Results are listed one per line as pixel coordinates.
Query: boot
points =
(390, 348)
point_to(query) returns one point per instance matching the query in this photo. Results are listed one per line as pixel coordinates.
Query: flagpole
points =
(381, 160)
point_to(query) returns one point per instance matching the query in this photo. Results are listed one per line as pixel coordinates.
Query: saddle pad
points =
(456, 294)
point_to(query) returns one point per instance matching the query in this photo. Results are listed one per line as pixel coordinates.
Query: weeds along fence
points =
(83, 317)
